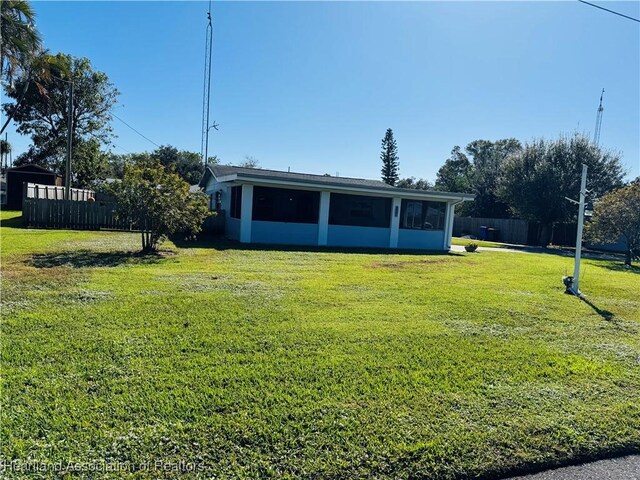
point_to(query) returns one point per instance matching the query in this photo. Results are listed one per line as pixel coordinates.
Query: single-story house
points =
(268, 206)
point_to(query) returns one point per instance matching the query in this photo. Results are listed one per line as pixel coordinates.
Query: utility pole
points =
(67, 171)
(574, 286)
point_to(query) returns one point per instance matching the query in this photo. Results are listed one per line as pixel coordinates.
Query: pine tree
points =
(389, 157)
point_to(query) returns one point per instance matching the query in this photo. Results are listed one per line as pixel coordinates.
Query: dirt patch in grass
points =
(205, 282)
(413, 263)
(88, 296)
(21, 275)
(390, 265)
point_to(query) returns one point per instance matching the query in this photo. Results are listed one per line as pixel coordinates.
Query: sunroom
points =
(267, 206)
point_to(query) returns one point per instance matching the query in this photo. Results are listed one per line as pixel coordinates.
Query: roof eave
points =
(385, 192)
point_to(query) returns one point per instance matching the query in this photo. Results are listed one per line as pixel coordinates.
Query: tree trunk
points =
(627, 257)
(545, 235)
(147, 245)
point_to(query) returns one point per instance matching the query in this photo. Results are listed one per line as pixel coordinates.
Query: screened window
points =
(359, 211)
(419, 215)
(235, 207)
(285, 205)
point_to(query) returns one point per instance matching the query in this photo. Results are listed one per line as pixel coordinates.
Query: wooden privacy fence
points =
(46, 213)
(54, 192)
(510, 230)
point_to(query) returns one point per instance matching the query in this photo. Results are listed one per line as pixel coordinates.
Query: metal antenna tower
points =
(596, 134)
(208, 48)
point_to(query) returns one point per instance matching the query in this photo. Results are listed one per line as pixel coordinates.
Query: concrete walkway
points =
(548, 251)
(623, 468)
(460, 248)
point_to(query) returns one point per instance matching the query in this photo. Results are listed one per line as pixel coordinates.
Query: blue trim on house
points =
(232, 228)
(351, 236)
(421, 239)
(282, 233)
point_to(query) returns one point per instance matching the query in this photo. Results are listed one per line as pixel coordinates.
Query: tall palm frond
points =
(43, 69)
(21, 41)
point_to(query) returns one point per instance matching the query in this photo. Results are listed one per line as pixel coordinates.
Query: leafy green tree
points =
(389, 157)
(158, 202)
(249, 162)
(44, 117)
(186, 164)
(488, 162)
(535, 182)
(617, 216)
(478, 171)
(413, 183)
(116, 162)
(456, 173)
(90, 164)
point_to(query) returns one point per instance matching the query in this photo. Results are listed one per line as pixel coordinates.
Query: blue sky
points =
(314, 86)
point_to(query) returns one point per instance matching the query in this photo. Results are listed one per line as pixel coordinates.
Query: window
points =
(419, 215)
(359, 211)
(235, 208)
(285, 205)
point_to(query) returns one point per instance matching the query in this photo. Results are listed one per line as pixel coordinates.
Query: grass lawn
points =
(283, 363)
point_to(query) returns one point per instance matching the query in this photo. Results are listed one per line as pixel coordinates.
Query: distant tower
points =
(596, 134)
(208, 47)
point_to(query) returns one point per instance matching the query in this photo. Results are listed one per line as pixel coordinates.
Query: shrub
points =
(158, 202)
(471, 247)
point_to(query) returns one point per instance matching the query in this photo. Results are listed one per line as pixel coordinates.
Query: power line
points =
(610, 11)
(146, 138)
(109, 142)
(121, 148)
(143, 136)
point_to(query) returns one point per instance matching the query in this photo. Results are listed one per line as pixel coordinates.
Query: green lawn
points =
(256, 363)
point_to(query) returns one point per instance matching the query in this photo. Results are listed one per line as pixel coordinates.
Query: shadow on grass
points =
(605, 314)
(88, 259)
(621, 267)
(13, 222)
(220, 243)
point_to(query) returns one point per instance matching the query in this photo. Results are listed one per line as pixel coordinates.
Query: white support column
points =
(451, 208)
(245, 214)
(323, 218)
(395, 222)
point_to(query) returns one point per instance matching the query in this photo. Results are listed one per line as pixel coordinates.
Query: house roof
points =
(30, 168)
(225, 170)
(230, 173)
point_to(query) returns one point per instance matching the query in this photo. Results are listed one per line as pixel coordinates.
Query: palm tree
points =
(23, 58)
(21, 41)
(5, 149)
